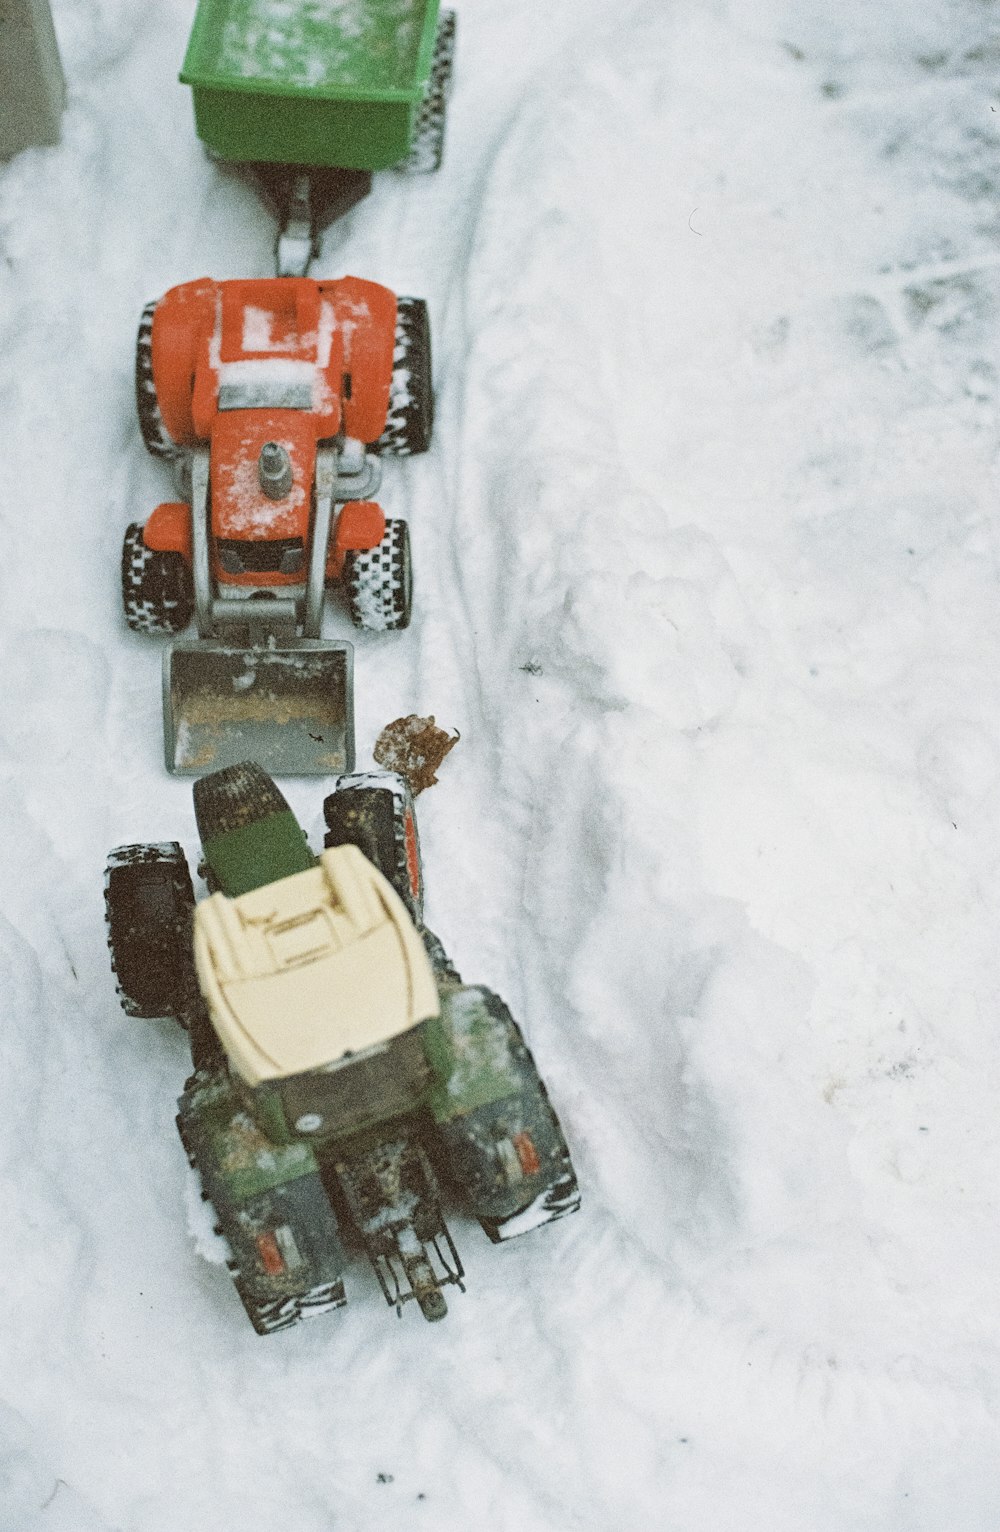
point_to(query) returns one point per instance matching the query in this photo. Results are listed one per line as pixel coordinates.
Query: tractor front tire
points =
(380, 821)
(157, 588)
(409, 423)
(148, 904)
(155, 436)
(379, 582)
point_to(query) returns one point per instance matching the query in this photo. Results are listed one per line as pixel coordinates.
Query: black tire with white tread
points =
(155, 436)
(409, 423)
(379, 582)
(427, 144)
(157, 588)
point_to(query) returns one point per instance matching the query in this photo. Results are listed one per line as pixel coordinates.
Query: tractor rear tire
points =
(409, 423)
(148, 903)
(381, 822)
(508, 1159)
(157, 588)
(380, 582)
(155, 436)
(269, 1315)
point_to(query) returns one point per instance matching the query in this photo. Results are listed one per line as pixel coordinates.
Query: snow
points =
(706, 559)
(317, 43)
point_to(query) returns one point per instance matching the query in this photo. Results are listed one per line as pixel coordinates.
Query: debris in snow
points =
(415, 747)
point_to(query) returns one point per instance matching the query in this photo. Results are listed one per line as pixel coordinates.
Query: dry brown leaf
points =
(415, 747)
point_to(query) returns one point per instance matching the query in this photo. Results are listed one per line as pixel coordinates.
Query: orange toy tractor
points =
(274, 400)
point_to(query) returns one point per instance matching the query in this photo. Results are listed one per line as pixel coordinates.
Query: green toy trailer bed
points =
(315, 95)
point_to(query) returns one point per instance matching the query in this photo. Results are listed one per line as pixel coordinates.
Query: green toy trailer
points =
(343, 1073)
(315, 96)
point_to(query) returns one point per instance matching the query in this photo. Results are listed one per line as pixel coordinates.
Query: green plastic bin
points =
(310, 82)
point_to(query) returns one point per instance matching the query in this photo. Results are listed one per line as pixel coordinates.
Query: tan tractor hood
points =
(306, 970)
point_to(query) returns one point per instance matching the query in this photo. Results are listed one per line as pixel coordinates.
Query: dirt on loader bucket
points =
(290, 709)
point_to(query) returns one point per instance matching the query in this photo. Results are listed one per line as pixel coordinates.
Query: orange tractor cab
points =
(274, 399)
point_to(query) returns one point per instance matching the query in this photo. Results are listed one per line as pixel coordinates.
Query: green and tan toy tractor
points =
(343, 1073)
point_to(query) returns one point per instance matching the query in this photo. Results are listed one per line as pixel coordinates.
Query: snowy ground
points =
(707, 557)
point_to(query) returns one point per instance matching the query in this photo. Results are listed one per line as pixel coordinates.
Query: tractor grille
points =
(383, 1082)
(280, 555)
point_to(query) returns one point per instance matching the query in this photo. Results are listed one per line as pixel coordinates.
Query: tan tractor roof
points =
(318, 965)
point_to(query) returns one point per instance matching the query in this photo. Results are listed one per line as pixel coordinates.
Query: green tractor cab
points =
(343, 1072)
(315, 97)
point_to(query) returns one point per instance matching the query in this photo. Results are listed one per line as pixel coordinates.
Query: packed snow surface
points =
(707, 554)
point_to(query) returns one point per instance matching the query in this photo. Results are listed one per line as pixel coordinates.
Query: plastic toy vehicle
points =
(267, 396)
(313, 97)
(32, 87)
(341, 1066)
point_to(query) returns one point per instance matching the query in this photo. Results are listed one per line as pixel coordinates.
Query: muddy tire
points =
(380, 821)
(157, 589)
(409, 423)
(155, 436)
(148, 903)
(379, 582)
(235, 797)
(270, 1315)
(507, 1158)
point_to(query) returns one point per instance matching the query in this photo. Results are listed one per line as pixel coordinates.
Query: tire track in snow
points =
(515, 437)
(525, 517)
(479, 487)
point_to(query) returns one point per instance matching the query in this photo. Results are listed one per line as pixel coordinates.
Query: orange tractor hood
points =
(240, 508)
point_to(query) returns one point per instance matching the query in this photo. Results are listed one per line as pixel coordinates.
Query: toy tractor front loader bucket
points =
(288, 708)
(260, 683)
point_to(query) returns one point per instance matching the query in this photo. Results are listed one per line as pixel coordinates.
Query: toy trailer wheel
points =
(157, 588)
(148, 902)
(427, 146)
(410, 420)
(377, 816)
(380, 582)
(154, 433)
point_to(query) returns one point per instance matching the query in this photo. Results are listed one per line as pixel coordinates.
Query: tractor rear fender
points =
(168, 530)
(183, 325)
(277, 338)
(499, 1134)
(268, 1197)
(366, 319)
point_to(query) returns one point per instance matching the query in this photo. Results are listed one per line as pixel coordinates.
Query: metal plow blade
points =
(290, 709)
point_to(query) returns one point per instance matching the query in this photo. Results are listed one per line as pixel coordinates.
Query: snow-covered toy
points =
(314, 96)
(274, 400)
(340, 1064)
